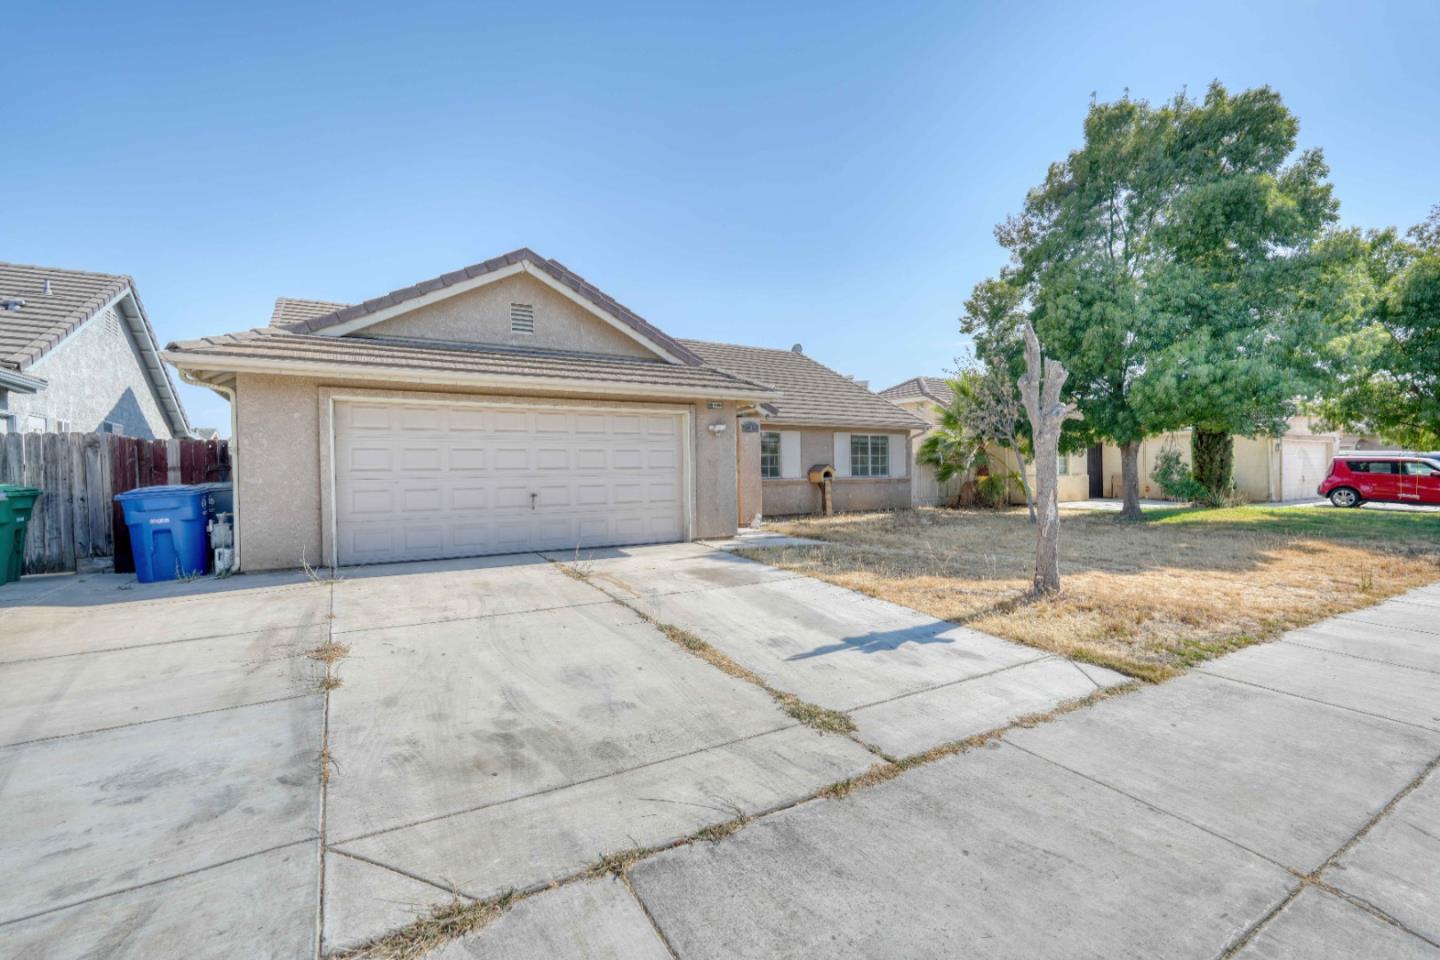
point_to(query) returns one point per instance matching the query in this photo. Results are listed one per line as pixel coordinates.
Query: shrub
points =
(993, 489)
(1175, 480)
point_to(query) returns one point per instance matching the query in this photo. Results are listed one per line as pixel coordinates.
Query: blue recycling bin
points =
(167, 531)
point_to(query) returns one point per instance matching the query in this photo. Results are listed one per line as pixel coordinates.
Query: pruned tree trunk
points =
(1040, 390)
(1130, 481)
(1212, 459)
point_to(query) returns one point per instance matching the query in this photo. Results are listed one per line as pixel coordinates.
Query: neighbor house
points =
(822, 419)
(77, 353)
(504, 407)
(1287, 467)
(926, 398)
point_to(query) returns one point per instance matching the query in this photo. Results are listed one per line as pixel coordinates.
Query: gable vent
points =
(522, 318)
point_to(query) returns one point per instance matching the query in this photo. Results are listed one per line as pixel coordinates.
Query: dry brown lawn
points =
(1148, 599)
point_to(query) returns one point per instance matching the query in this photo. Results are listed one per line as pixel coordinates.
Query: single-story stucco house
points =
(507, 406)
(821, 419)
(78, 354)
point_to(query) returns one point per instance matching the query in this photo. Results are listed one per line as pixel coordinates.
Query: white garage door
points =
(1303, 464)
(425, 481)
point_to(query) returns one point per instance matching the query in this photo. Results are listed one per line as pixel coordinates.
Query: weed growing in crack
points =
(443, 924)
(329, 652)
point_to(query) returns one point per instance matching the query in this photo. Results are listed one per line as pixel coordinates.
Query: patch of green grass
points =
(1322, 523)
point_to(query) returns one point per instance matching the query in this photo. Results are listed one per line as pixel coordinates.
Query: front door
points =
(1095, 464)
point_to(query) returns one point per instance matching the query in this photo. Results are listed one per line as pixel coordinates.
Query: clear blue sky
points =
(828, 174)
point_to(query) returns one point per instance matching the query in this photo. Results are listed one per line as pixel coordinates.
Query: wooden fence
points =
(76, 518)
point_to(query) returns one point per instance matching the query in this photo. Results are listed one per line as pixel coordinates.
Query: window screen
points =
(869, 455)
(770, 456)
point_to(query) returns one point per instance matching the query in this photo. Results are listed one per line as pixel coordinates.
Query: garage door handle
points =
(532, 500)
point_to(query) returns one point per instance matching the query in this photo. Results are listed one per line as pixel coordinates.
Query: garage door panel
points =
(420, 459)
(590, 458)
(507, 421)
(592, 494)
(469, 498)
(422, 500)
(430, 481)
(468, 458)
(368, 459)
(552, 458)
(590, 423)
(421, 419)
(467, 421)
(512, 458)
(365, 417)
(1303, 465)
(627, 458)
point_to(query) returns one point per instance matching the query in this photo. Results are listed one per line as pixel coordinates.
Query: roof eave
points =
(159, 377)
(16, 382)
(516, 262)
(197, 362)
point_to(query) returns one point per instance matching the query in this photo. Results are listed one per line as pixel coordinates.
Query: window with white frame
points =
(869, 455)
(1062, 465)
(34, 424)
(770, 455)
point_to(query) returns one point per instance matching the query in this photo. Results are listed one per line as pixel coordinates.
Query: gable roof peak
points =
(550, 272)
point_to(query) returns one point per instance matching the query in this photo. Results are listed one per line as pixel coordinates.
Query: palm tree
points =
(951, 449)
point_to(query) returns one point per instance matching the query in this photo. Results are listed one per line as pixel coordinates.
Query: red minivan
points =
(1390, 477)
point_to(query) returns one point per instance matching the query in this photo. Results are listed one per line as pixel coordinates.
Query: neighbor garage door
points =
(424, 481)
(1303, 464)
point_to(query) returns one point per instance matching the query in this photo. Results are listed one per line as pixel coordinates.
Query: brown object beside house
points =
(506, 407)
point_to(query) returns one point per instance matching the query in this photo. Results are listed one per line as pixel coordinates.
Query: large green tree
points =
(1239, 332)
(1162, 263)
(1391, 384)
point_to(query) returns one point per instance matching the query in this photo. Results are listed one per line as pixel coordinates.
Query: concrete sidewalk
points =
(1278, 803)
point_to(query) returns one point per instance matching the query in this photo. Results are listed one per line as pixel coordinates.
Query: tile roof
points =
(932, 388)
(290, 310)
(280, 346)
(30, 332)
(45, 319)
(811, 393)
(554, 269)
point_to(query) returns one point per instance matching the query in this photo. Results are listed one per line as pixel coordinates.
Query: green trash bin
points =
(15, 511)
(7, 537)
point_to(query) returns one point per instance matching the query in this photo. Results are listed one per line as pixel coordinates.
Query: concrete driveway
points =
(271, 766)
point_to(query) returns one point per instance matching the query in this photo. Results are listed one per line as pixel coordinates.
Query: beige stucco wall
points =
(782, 498)
(714, 479)
(276, 451)
(1072, 485)
(95, 374)
(482, 315)
(1257, 460)
(749, 492)
(279, 480)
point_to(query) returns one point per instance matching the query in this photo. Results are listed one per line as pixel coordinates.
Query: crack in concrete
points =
(563, 786)
(1315, 878)
(159, 880)
(1324, 703)
(1356, 656)
(143, 723)
(157, 643)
